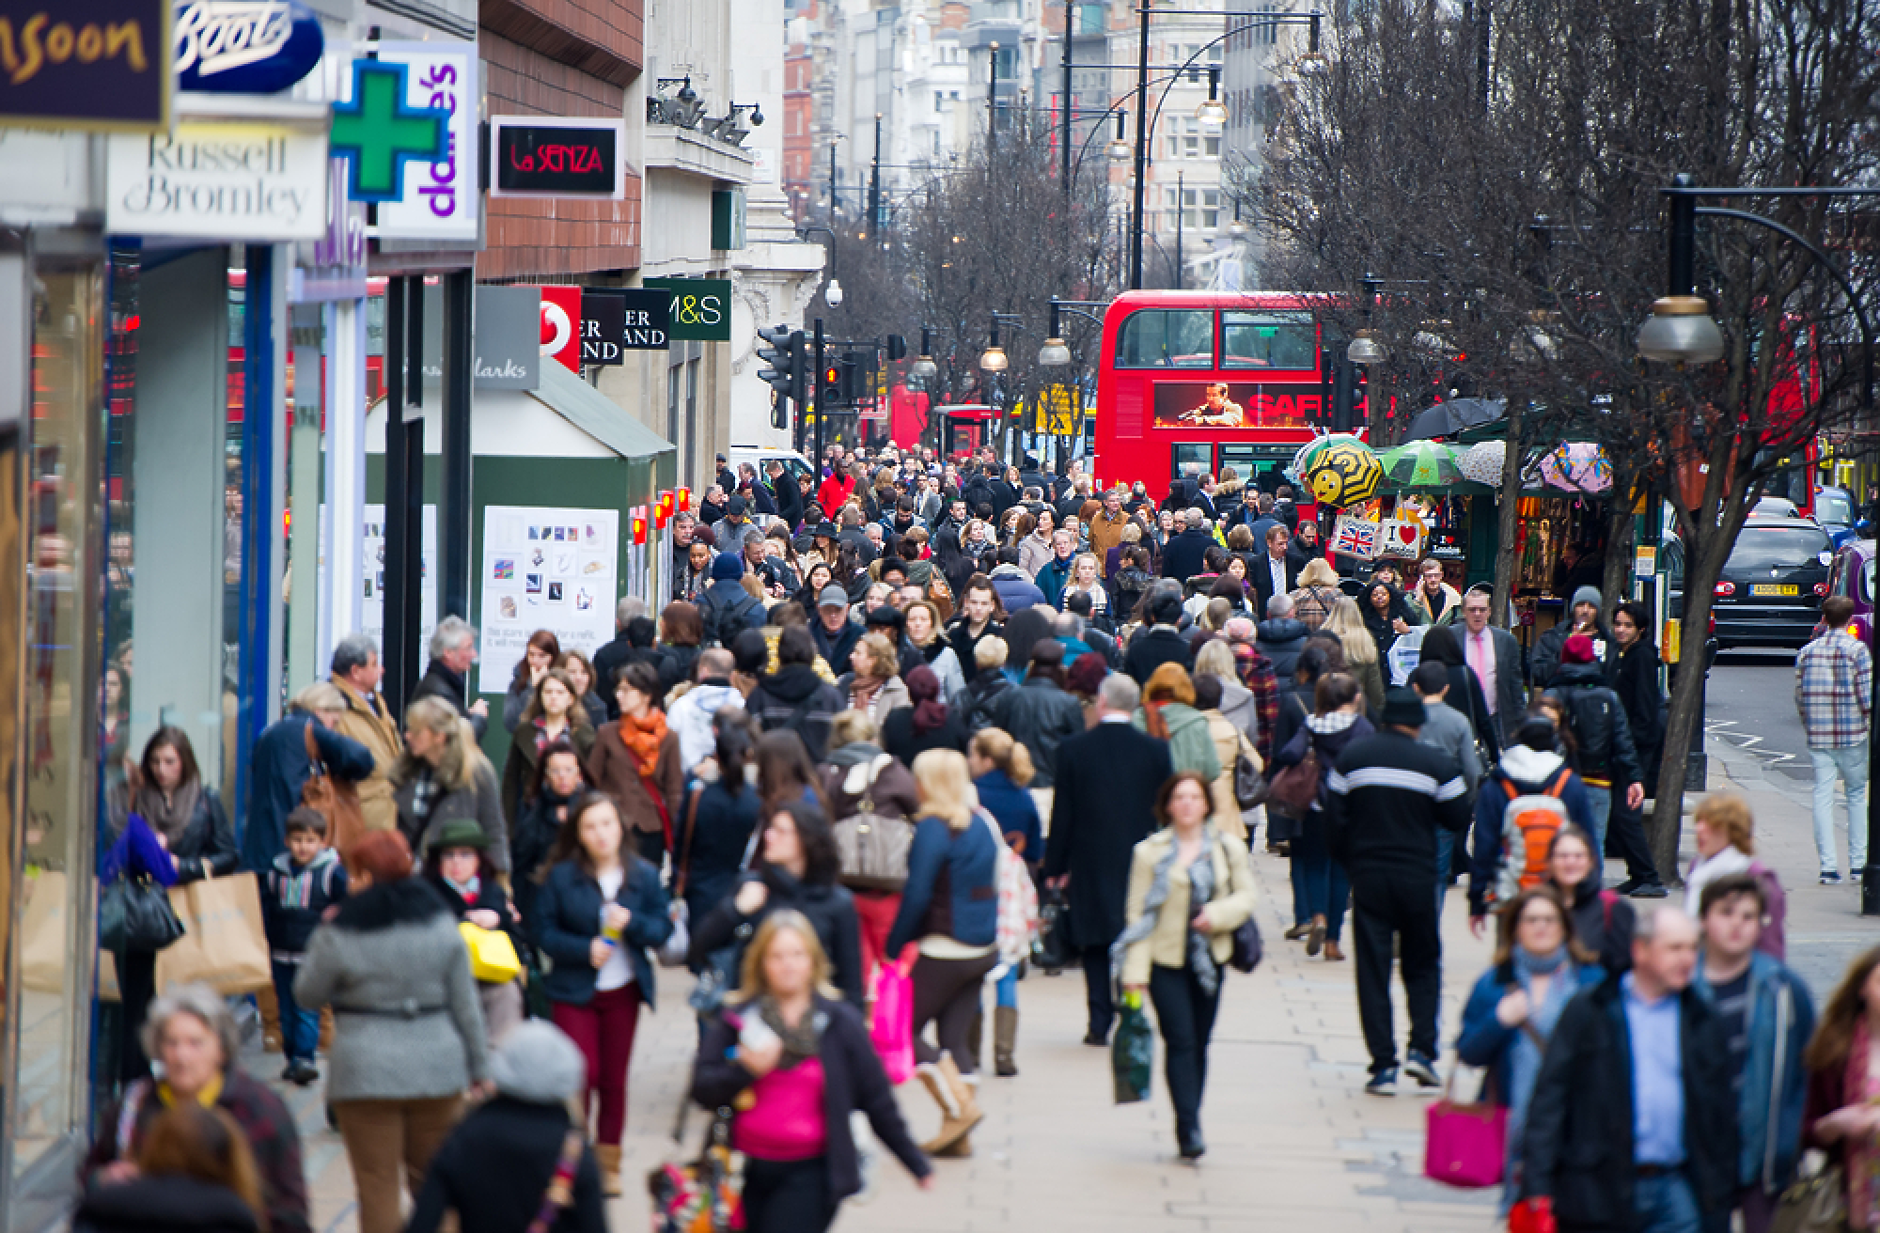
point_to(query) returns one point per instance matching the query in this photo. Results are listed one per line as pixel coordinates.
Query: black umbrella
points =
(1446, 419)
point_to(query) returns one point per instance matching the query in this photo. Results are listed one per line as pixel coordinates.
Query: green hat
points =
(460, 833)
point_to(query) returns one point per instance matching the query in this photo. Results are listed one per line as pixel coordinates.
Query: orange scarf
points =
(643, 737)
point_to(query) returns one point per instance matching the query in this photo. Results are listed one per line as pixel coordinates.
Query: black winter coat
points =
(1597, 719)
(982, 698)
(1633, 675)
(852, 1079)
(1603, 925)
(490, 897)
(1153, 646)
(960, 637)
(1281, 639)
(795, 697)
(831, 909)
(1039, 716)
(160, 1204)
(439, 681)
(899, 738)
(206, 845)
(495, 1167)
(1579, 1146)
(1103, 807)
(712, 855)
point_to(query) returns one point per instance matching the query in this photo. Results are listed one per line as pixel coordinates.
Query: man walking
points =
(1834, 692)
(1387, 797)
(453, 650)
(1768, 1018)
(1495, 658)
(368, 720)
(1274, 573)
(1103, 806)
(1449, 730)
(1632, 1124)
(1596, 721)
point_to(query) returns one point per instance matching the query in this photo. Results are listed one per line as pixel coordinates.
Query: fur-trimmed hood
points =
(408, 901)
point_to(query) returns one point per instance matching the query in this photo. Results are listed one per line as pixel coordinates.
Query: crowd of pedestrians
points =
(876, 720)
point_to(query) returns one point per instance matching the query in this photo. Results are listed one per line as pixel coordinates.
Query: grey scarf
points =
(1200, 893)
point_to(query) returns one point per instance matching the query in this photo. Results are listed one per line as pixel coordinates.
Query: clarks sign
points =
(263, 182)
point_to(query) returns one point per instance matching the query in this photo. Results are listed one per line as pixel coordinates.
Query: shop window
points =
(1167, 338)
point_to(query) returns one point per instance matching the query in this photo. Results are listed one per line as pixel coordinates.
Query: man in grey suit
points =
(1495, 658)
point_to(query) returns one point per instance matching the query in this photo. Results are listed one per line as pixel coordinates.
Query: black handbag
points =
(1248, 947)
(1249, 783)
(1052, 950)
(135, 914)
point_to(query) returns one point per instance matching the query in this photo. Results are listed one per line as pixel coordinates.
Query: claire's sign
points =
(439, 197)
(99, 64)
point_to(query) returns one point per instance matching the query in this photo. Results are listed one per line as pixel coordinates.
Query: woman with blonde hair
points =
(949, 907)
(1316, 593)
(1724, 828)
(1168, 711)
(1361, 658)
(1087, 579)
(1001, 767)
(802, 1056)
(1189, 890)
(443, 775)
(873, 683)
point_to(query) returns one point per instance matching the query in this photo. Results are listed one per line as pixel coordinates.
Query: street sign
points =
(646, 326)
(603, 327)
(377, 132)
(535, 156)
(97, 64)
(561, 326)
(264, 182)
(1057, 410)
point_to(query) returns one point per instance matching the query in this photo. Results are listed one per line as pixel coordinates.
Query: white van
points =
(760, 456)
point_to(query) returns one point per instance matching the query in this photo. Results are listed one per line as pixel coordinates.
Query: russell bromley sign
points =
(220, 181)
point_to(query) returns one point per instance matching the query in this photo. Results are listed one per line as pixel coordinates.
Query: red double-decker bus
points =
(1192, 382)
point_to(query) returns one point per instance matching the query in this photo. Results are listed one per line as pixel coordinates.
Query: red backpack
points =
(1529, 823)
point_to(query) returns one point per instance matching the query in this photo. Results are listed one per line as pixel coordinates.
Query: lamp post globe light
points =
(923, 369)
(1212, 114)
(992, 359)
(1680, 331)
(1365, 350)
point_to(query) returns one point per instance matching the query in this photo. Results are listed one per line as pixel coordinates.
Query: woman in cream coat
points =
(1189, 889)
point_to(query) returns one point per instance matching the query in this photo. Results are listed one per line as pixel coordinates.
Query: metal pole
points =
(1064, 175)
(1142, 148)
(992, 104)
(393, 650)
(1870, 874)
(454, 513)
(1181, 209)
(821, 412)
(874, 183)
(1682, 256)
(833, 205)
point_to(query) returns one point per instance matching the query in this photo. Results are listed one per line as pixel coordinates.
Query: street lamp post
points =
(993, 361)
(924, 370)
(832, 290)
(1055, 353)
(1681, 331)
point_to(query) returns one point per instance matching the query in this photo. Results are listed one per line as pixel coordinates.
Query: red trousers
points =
(603, 1029)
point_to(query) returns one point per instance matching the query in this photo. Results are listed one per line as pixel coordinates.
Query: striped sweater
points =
(294, 897)
(1385, 798)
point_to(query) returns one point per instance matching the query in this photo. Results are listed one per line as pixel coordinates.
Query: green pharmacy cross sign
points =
(377, 133)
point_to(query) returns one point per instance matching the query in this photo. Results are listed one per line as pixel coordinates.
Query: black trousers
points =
(787, 1196)
(1389, 908)
(1185, 1015)
(946, 994)
(137, 983)
(1625, 830)
(1098, 992)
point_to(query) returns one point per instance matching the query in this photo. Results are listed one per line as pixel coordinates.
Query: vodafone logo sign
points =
(561, 325)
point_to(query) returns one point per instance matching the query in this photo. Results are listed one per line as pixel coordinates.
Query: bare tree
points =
(1507, 185)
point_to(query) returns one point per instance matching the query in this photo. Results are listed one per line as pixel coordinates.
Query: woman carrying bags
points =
(950, 908)
(635, 760)
(461, 874)
(1189, 890)
(1539, 965)
(600, 910)
(795, 1061)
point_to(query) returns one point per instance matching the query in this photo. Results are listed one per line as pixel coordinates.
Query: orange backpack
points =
(1529, 823)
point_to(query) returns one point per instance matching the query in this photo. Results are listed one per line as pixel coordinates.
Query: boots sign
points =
(261, 181)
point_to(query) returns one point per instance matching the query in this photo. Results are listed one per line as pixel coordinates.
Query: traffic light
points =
(786, 372)
(836, 384)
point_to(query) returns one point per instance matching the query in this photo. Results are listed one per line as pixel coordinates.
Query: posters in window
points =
(544, 568)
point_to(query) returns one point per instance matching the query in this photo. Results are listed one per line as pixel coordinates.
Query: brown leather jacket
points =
(368, 721)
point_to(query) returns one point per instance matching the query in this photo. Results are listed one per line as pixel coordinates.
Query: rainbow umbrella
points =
(1421, 464)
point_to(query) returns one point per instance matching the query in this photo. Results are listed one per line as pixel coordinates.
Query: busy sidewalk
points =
(1294, 1142)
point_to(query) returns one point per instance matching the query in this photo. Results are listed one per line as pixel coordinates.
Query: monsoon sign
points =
(100, 64)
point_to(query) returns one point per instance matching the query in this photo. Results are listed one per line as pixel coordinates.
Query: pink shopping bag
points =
(1465, 1144)
(893, 1032)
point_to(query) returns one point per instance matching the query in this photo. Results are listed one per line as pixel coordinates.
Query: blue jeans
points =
(1445, 852)
(1296, 870)
(300, 1027)
(1849, 764)
(1666, 1205)
(1327, 889)
(1600, 801)
(1006, 987)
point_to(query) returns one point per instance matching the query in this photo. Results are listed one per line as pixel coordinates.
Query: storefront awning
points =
(654, 461)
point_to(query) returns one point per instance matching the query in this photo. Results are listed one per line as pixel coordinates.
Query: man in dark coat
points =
(1262, 568)
(453, 650)
(1281, 636)
(1160, 643)
(1633, 1121)
(281, 766)
(1183, 558)
(1103, 806)
(1038, 714)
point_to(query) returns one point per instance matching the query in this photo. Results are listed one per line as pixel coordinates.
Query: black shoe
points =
(1650, 890)
(1422, 1069)
(305, 1073)
(1383, 1083)
(1628, 886)
(1192, 1148)
(1096, 1039)
(288, 1072)
(1830, 878)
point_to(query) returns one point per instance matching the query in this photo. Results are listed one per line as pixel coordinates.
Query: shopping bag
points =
(705, 1194)
(678, 945)
(107, 978)
(43, 931)
(1051, 950)
(1132, 1052)
(893, 1031)
(1464, 1144)
(225, 947)
(493, 958)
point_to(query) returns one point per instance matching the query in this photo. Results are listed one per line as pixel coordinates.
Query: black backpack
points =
(723, 624)
(1592, 714)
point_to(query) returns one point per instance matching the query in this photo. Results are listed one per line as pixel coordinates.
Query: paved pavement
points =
(1293, 1141)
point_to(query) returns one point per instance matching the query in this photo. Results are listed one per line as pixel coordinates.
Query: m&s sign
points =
(701, 308)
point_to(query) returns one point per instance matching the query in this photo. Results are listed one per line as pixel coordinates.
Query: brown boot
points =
(1332, 953)
(1004, 1040)
(960, 1108)
(607, 1156)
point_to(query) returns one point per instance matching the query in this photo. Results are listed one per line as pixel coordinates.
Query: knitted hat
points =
(538, 1064)
(727, 565)
(1585, 595)
(1579, 650)
(1404, 706)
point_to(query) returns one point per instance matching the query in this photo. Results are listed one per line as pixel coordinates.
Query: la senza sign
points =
(535, 156)
(102, 64)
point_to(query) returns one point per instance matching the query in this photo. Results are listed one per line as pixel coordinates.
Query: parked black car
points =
(1771, 588)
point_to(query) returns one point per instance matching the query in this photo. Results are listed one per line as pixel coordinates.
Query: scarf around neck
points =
(169, 818)
(1200, 894)
(643, 736)
(800, 1043)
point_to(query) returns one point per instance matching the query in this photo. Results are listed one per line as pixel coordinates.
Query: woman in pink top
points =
(788, 1038)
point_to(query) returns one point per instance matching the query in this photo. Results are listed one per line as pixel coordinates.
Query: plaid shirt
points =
(1834, 690)
(1256, 673)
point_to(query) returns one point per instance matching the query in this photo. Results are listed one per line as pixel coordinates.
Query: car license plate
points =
(1773, 588)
